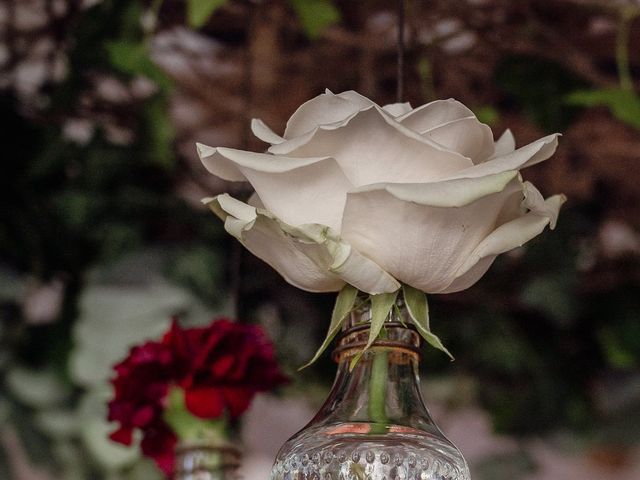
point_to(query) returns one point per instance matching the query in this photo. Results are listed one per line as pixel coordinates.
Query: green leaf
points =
(381, 305)
(418, 308)
(133, 58)
(315, 15)
(487, 114)
(199, 11)
(161, 133)
(344, 304)
(623, 104)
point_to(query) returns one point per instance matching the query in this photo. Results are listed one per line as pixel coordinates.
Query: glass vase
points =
(206, 461)
(374, 424)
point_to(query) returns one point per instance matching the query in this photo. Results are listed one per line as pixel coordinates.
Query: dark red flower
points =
(220, 368)
(141, 385)
(223, 366)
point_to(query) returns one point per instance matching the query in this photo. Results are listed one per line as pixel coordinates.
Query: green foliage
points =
(487, 114)
(538, 87)
(133, 58)
(419, 311)
(199, 11)
(200, 270)
(315, 15)
(345, 302)
(623, 104)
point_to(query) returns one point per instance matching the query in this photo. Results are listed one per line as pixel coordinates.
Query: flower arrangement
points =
(358, 197)
(190, 385)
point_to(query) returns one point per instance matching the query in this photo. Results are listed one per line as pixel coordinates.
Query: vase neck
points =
(382, 390)
(205, 461)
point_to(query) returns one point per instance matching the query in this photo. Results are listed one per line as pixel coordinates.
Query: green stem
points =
(378, 392)
(627, 15)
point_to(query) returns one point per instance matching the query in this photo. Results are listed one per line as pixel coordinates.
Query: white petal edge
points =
(505, 144)
(530, 154)
(320, 185)
(446, 194)
(262, 131)
(324, 109)
(397, 109)
(310, 257)
(466, 136)
(363, 143)
(506, 237)
(434, 114)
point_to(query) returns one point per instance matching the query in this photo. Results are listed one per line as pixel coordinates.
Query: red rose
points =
(220, 368)
(223, 366)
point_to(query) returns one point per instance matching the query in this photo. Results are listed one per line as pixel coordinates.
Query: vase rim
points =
(343, 349)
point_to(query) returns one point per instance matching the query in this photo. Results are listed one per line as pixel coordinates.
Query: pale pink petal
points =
(421, 233)
(284, 184)
(371, 147)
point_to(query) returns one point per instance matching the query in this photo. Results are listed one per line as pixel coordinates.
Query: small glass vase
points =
(374, 424)
(206, 461)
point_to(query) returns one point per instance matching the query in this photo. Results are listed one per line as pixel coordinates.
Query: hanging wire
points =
(235, 273)
(400, 52)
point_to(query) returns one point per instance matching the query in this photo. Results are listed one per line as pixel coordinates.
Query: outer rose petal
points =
(466, 136)
(421, 233)
(309, 257)
(205, 402)
(434, 114)
(264, 133)
(324, 109)
(122, 435)
(371, 147)
(397, 109)
(238, 399)
(296, 190)
(523, 157)
(504, 238)
(505, 144)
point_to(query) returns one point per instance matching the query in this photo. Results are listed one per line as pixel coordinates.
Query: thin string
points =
(235, 274)
(400, 52)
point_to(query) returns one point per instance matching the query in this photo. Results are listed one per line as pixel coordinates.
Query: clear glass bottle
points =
(374, 424)
(204, 461)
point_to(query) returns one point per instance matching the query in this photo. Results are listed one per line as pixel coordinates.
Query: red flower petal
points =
(238, 399)
(122, 435)
(205, 402)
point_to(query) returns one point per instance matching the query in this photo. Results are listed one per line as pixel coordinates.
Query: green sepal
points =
(344, 304)
(418, 308)
(381, 305)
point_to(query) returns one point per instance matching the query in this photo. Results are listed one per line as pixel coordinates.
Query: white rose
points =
(353, 193)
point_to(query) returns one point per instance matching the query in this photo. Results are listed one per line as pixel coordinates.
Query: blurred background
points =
(102, 236)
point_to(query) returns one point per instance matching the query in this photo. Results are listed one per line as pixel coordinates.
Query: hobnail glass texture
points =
(368, 432)
(203, 461)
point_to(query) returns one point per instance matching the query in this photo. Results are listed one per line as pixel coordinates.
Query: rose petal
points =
(324, 109)
(320, 184)
(206, 402)
(419, 233)
(397, 109)
(504, 238)
(309, 257)
(123, 436)
(434, 114)
(505, 144)
(523, 157)
(466, 136)
(371, 147)
(237, 399)
(264, 133)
